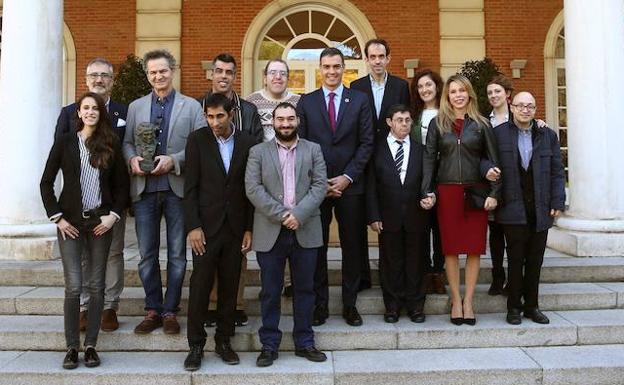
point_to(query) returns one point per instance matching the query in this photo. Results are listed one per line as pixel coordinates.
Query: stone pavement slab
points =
(597, 327)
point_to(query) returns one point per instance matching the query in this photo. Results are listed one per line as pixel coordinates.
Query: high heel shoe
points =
(457, 320)
(468, 321)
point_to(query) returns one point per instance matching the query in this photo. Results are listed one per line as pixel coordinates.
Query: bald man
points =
(533, 195)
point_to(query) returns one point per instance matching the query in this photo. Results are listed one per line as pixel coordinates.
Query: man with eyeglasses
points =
(99, 79)
(244, 118)
(159, 193)
(533, 195)
(275, 92)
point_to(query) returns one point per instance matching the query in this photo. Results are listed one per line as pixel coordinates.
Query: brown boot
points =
(109, 320)
(151, 322)
(83, 321)
(170, 324)
(428, 284)
(437, 280)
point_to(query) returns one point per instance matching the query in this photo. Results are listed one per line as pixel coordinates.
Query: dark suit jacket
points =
(212, 198)
(66, 121)
(65, 155)
(348, 149)
(396, 92)
(387, 200)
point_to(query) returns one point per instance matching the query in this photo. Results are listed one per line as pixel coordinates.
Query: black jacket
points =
(212, 197)
(65, 155)
(460, 158)
(66, 121)
(249, 114)
(548, 176)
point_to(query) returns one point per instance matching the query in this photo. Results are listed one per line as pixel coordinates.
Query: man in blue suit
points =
(340, 120)
(100, 80)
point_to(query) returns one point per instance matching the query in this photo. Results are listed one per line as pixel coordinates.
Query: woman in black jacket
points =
(458, 139)
(95, 191)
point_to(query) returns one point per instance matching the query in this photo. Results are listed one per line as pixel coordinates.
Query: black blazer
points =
(348, 149)
(212, 197)
(396, 92)
(65, 155)
(387, 200)
(66, 121)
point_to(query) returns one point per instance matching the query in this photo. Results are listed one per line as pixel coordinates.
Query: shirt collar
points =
(337, 91)
(166, 99)
(229, 138)
(376, 83)
(392, 139)
(280, 144)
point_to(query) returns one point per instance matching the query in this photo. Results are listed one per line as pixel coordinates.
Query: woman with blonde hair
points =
(458, 139)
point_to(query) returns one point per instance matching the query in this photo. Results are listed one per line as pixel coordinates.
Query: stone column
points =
(30, 99)
(594, 223)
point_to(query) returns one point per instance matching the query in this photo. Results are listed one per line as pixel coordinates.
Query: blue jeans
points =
(148, 212)
(302, 262)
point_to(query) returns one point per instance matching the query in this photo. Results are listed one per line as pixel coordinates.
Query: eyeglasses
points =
(522, 107)
(403, 120)
(103, 75)
(275, 72)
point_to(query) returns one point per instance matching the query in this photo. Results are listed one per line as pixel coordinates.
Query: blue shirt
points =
(226, 148)
(160, 115)
(525, 147)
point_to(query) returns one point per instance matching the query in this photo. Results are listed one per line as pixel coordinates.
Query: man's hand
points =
(555, 213)
(246, 245)
(134, 165)
(493, 174)
(290, 222)
(541, 123)
(490, 204)
(377, 227)
(107, 223)
(339, 182)
(428, 202)
(197, 240)
(66, 229)
(333, 192)
(164, 164)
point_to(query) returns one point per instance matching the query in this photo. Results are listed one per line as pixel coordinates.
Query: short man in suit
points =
(286, 181)
(533, 195)
(218, 220)
(394, 212)
(383, 90)
(99, 79)
(245, 118)
(160, 192)
(340, 120)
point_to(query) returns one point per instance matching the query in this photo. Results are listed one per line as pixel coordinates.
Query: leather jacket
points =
(456, 160)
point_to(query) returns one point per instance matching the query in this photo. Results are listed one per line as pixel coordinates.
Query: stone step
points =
(570, 365)
(553, 296)
(588, 327)
(557, 269)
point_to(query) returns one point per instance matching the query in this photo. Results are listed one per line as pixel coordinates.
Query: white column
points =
(30, 99)
(594, 223)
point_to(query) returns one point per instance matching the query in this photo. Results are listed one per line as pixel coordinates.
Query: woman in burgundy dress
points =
(460, 138)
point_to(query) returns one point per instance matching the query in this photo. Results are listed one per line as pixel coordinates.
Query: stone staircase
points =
(583, 344)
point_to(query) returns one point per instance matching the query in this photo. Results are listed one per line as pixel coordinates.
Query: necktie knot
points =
(331, 96)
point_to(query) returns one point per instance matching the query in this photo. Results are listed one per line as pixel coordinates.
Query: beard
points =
(286, 138)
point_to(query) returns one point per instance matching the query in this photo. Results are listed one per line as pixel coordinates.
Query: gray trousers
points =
(114, 281)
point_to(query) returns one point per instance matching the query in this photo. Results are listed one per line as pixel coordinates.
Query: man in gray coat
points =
(160, 191)
(286, 181)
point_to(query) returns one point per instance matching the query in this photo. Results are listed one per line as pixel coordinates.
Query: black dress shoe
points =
(470, 321)
(351, 315)
(194, 358)
(311, 354)
(320, 315)
(537, 316)
(266, 358)
(514, 317)
(288, 291)
(391, 317)
(91, 357)
(71, 359)
(457, 321)
(496, 288)
(229, 356)
(416, 316)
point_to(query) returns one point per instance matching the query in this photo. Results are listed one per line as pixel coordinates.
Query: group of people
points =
(269, 174)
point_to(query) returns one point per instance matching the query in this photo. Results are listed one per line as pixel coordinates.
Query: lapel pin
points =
(347, 100)
(116, 113)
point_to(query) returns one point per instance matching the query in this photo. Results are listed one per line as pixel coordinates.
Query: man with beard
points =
(286, 181)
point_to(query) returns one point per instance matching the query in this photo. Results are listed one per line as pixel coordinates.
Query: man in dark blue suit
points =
(340, 120)
(100, 80)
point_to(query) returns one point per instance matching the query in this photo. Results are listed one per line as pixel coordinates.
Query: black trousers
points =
(223, 258)
(402, 268)
(525, 255)
(350, 213)
(497, 251)
(435, 261)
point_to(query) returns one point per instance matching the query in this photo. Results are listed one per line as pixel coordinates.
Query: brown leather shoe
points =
(83, 321)
(151, 322)
(170, 324)
(109, 320)
(437, 281)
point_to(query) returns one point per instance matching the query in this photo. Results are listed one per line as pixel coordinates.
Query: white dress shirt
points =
(394, 147)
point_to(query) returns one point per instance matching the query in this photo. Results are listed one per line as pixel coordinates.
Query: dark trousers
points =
(302, 262)
(435, 261)
(525, 254)
(351, 216)
(497, 251)
(223, 259)
(402, 270)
